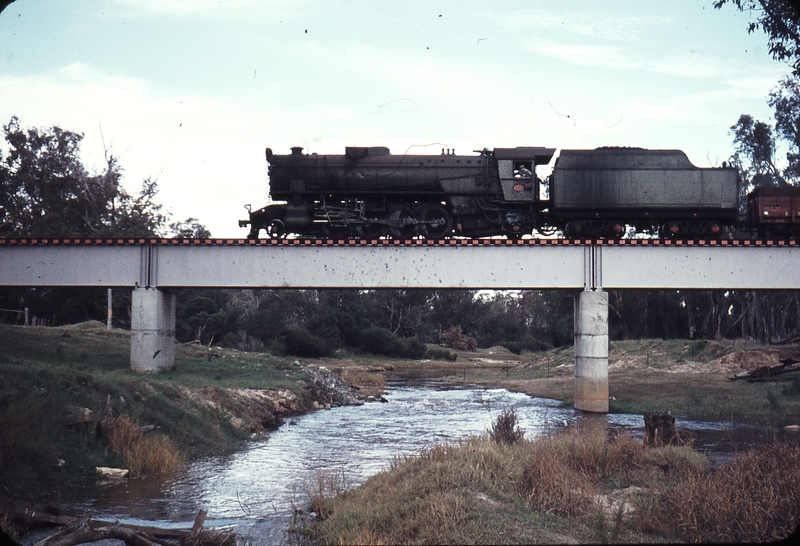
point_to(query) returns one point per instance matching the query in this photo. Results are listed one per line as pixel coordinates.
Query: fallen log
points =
(31, 513)
(764, 373)
(82, 532)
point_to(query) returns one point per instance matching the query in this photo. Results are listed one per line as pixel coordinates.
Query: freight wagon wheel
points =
(436, 223)
(403, 224)
(276, 230)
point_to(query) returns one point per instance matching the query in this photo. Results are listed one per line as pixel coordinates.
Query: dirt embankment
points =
(260, 410)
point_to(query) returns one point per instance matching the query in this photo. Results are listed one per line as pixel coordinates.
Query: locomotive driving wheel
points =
(403, 224)
(372, 230)
(436, 223)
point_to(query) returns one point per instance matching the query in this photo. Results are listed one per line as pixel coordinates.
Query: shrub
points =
(535, 345)
(440, 353)
(301, 342)
(384, 342)
(456, 339)
(513, 346)
(376, 340)
(505, 429)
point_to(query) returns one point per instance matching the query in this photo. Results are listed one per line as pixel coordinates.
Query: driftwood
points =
(74, 530)
(660, 430)
(765, 373)
(85, 530)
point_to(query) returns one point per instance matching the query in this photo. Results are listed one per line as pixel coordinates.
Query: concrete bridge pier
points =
(152, 330)
(591, 351)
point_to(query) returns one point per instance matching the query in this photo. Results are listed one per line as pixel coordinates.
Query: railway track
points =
(96, 241)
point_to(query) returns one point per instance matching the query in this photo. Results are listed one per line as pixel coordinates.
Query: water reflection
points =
(254, 490)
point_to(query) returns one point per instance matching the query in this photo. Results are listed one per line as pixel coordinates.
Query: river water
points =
(253, 491)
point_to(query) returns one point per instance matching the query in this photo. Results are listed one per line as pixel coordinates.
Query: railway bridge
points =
(152, 267)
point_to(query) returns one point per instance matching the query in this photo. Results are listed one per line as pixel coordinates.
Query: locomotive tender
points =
(606, 192)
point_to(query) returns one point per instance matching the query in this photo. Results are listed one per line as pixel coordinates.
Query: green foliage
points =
(298, 341)
(47, 192)
(780, 20)
(435, 352)
(384, 342)
(535, 345)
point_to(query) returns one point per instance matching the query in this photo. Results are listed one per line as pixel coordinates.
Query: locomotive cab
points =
(517, 170)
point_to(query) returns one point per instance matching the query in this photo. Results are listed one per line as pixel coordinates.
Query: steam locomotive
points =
(605, 192)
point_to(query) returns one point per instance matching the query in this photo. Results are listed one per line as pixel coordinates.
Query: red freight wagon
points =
(775, 212)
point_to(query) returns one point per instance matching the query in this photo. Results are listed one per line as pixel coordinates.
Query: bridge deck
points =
(454, 263)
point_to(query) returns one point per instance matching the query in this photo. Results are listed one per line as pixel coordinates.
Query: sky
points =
(191, 92)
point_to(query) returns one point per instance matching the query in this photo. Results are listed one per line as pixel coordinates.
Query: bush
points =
(513, 346)
(505, 429)
(535, 345)
(376, 340)
(440, 353)
(456, 339)
(384, 342)
(301, 342)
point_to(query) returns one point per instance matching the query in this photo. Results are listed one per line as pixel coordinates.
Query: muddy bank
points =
(256, 411)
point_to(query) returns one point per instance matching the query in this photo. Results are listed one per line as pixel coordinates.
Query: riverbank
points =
(690, 379)
(569, 488)
(216, 399)
(59, 384)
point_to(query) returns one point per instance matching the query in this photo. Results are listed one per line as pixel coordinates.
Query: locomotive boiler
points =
(606, 192)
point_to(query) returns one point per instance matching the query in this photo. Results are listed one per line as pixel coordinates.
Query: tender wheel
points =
(436, 223)
(404, 224)
(276, 229)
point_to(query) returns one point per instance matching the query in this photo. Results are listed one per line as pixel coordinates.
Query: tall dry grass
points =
(362, 378)
(143, 454)
(571, 486)
(754, 498)
(370, 384)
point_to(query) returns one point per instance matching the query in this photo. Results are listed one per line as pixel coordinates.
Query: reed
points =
(143, 455)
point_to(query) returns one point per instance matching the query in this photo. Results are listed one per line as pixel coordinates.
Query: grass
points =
(644, 376)
(570, 487)
(49, 372)
(143, 454)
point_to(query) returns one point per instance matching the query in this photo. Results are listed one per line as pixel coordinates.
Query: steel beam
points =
(45, 265)
(364, 266)
(706, 267)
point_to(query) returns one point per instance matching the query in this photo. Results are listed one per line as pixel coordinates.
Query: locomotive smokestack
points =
(297, 150)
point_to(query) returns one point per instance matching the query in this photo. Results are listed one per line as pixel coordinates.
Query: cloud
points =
(603, 26)
(207, 157)
(217, 9)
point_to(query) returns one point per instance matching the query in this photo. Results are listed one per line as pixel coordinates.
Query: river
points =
(253, 491)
